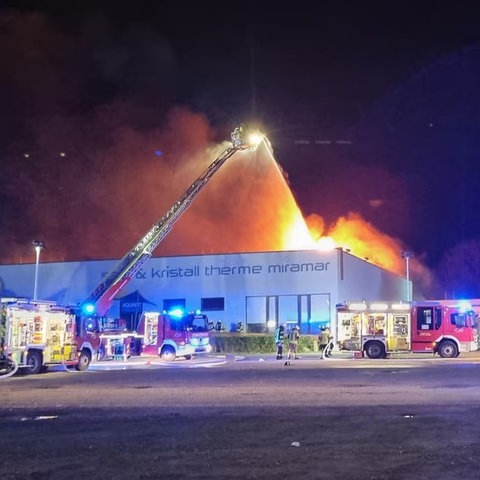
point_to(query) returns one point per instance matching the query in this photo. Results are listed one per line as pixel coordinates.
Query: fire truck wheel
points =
(168, 354)
(188, 357)
(448, 349)
(83, 361)
(375, 349)
(34, 362)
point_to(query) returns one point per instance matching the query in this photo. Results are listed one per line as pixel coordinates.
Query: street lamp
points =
(39, 246)
(407, 256)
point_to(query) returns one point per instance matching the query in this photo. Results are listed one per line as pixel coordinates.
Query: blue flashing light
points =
(158, 153)
(176, 312)
(464, 306)
(88, 308)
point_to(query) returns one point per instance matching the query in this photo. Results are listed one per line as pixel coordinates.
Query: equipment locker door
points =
(398, 331)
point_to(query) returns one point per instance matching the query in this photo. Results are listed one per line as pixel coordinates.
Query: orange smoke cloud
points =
(247, 206)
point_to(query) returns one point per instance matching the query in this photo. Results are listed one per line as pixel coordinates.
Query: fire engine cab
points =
(174, 334)
(381, 328)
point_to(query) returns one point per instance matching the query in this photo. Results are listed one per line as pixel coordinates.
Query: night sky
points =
(371, 107)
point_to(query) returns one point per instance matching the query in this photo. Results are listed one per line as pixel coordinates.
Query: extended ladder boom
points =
(102, 296)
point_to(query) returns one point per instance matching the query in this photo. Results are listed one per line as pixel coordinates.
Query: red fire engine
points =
(117, 342)
(381, 328)
(174, 334)
(35, 335)
(100, 299)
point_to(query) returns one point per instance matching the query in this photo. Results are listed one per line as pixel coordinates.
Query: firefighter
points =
(3, 329)
(293, 338)
(279, 338)
(323, 339)
(325, 342)
(330, 345)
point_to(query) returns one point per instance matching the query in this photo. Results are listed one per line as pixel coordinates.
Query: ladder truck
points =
(100, 299)
(35, 336)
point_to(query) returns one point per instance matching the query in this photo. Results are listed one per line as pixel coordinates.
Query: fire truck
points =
(379, 329)
(35, 335)
(117, 342)
(174, 334)
(100, 299)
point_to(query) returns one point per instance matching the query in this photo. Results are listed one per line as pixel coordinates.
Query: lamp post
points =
(407, 256)
(39, 246)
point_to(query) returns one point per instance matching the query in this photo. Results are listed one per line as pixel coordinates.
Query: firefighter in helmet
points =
(3, 329)
(279, 338)
(293, 338)
(325, 342)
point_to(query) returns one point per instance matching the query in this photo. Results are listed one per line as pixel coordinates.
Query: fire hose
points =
(65, 367)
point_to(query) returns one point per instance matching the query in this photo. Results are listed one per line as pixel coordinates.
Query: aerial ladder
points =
(101, 298)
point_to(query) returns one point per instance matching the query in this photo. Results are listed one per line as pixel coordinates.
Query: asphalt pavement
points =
(222, 358)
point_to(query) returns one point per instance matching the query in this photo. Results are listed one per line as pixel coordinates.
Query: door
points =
(426, 323)
(398, 331)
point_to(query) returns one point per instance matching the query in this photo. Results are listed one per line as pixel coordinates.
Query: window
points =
(198, 323)
(194, 323)
(212, 304)
(438, 318)
(424, 319)
(458, 319)
(426, 316)
(177, 324)
(172, 304)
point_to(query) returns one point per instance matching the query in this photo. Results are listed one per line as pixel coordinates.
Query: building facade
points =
(261, 290)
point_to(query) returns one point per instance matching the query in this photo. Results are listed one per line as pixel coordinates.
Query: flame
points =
(297, 235)
(247, 207)
(326, 243)
(366, 241)
(352, 233)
